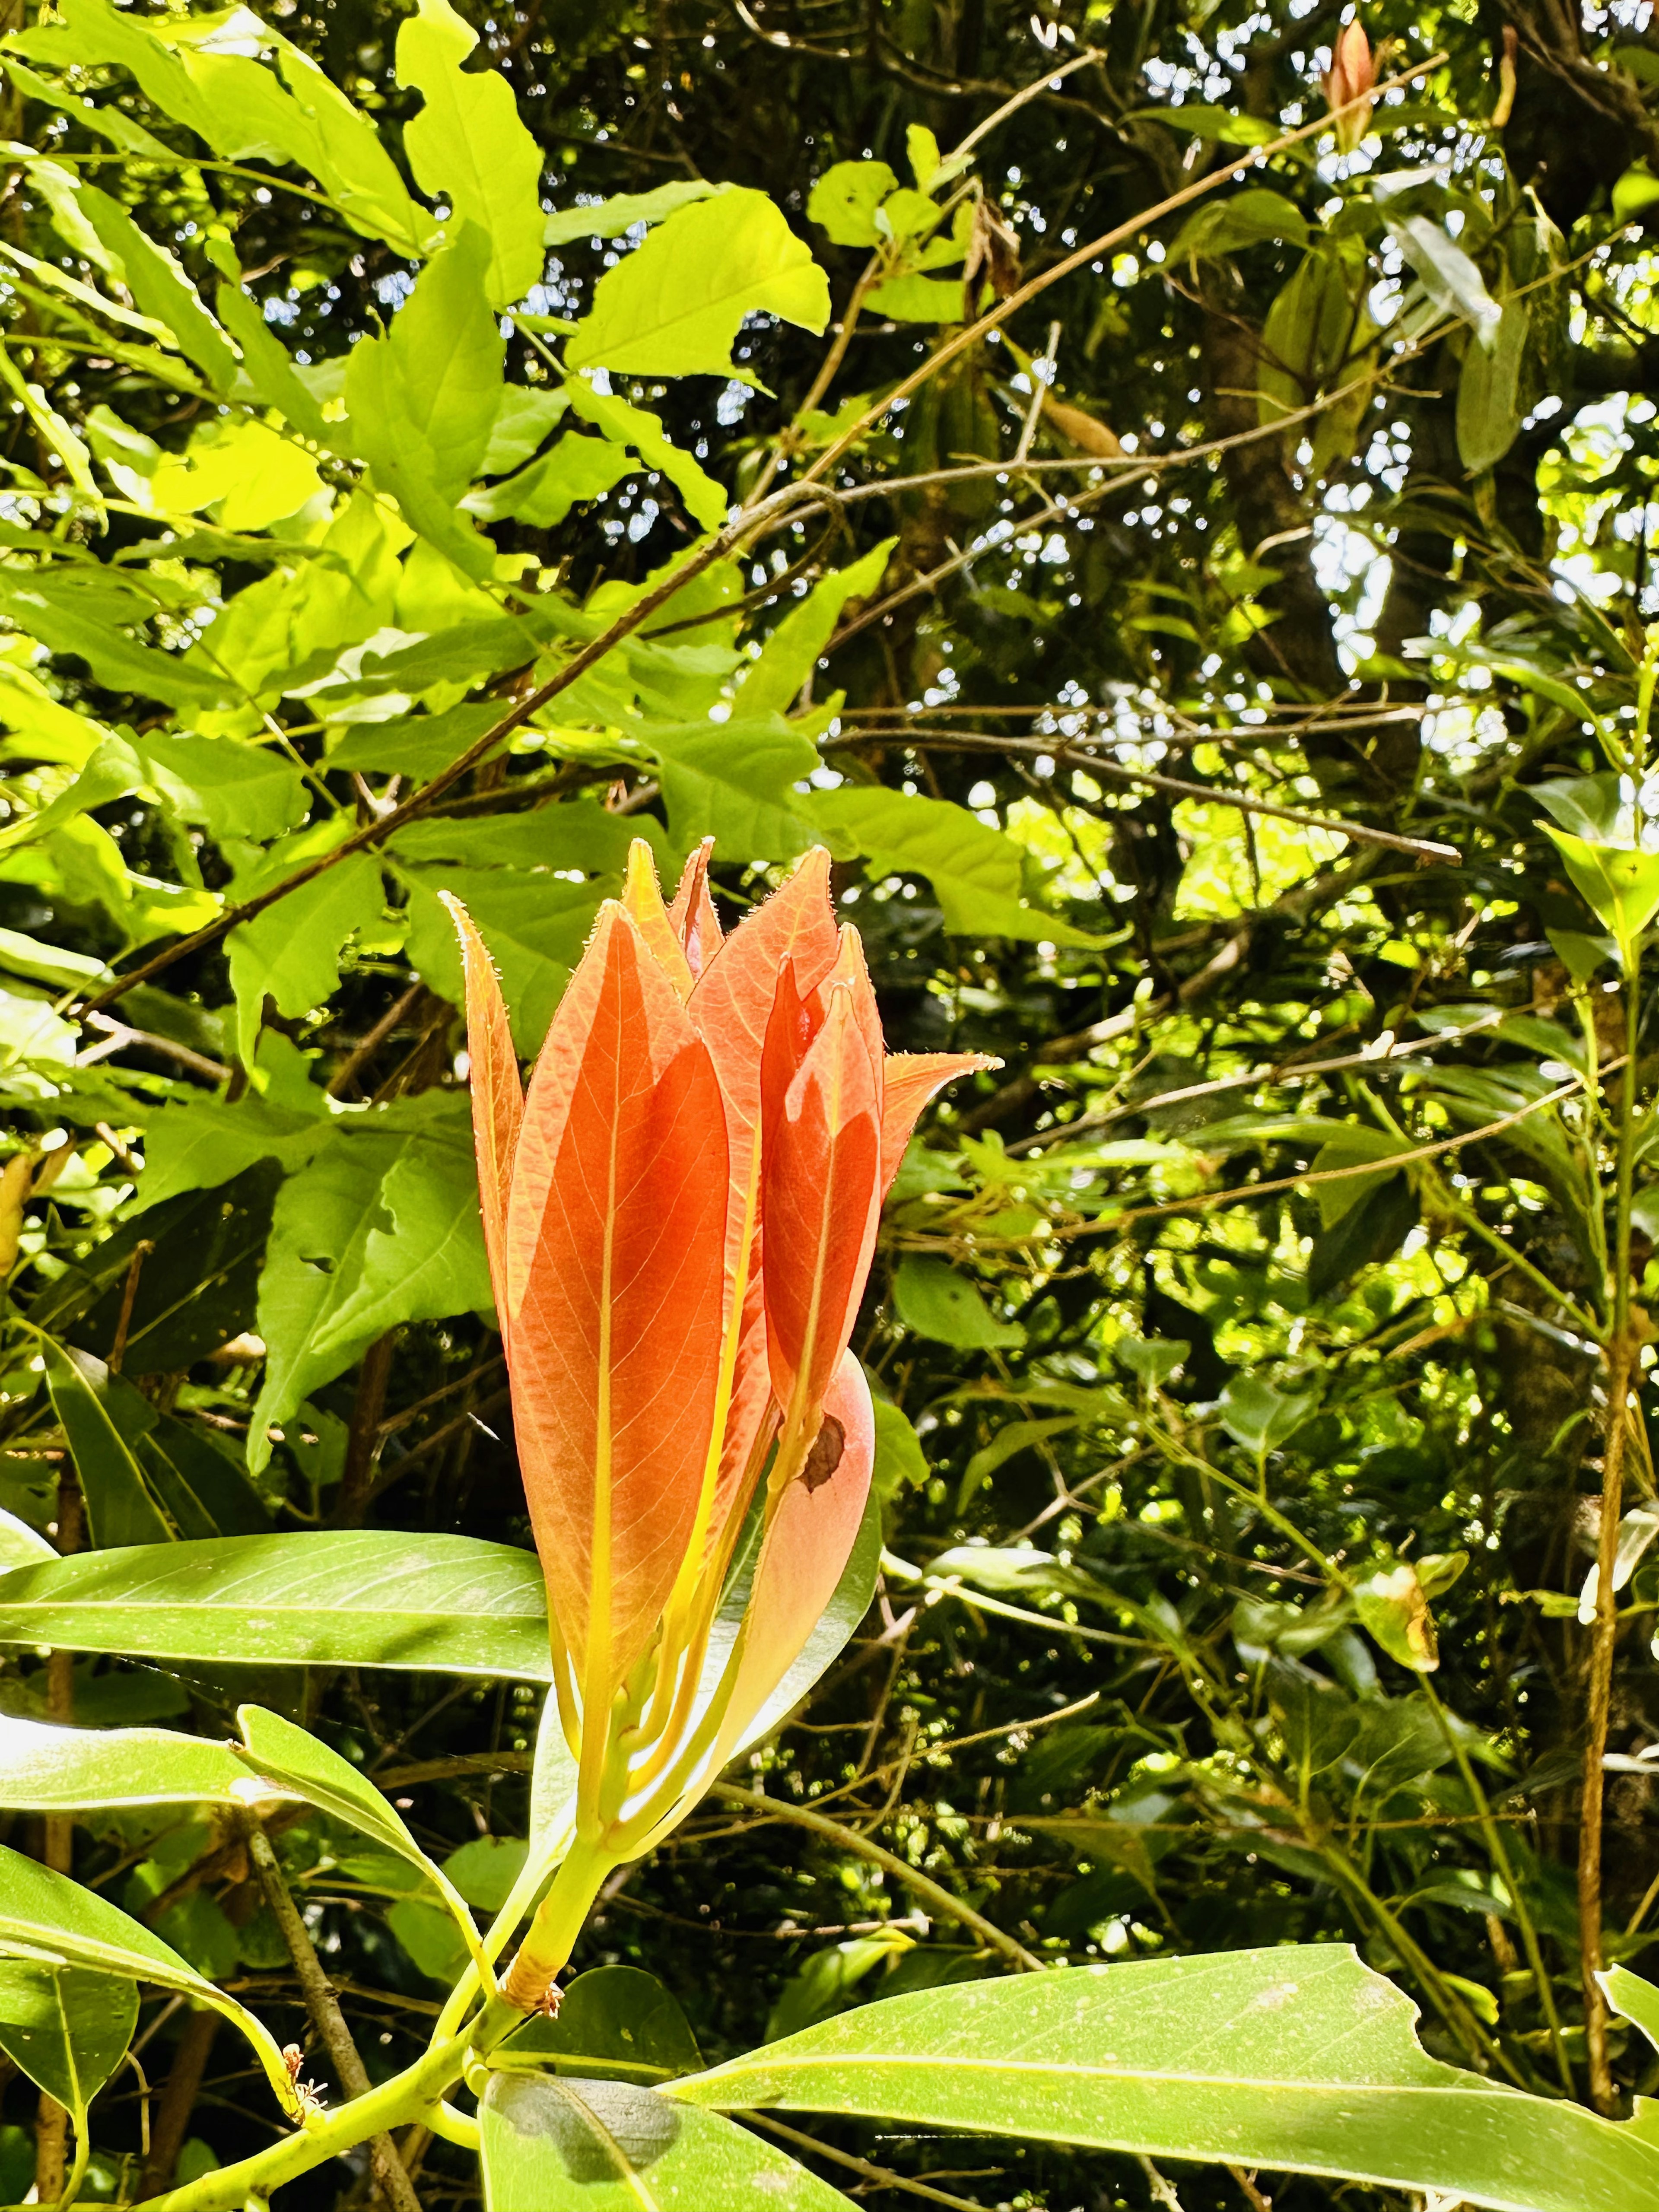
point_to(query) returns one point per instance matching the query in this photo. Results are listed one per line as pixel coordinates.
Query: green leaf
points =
(268, 372)
(978, 874)
(1447, 274)
(1489, 404)
(845, 198)
(291, 952)
(422, 400)
(468, 145)
(1259, 1417)
(674, 307)
(43, 607)
(1634, 193)
(523, 419)
(417, 748)
(1222, 124)
(734, 781)
(705, 500)
(1392, 1604)
(791, 653)
(99, 1413)
(66, 2027)
(1246, 218)
(1632, 1999)
(200, 1488)
(1298, 2059)
(159, 287)
(917, 299)
(45, 1769)
(337, 1597)
(379, 1228)
(234, 790)
(614, 2024)
(901, 1463)
(610, 218)
(534, 925)
(576, 471)
(431, 1938)
(1621, 886)
(486, 1871)
(46, 1917)
(932, 1298)
(277, 1751)
(617, 2148)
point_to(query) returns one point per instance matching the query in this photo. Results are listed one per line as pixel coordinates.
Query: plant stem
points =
(392, 2181)
(407, 2096)
(1499, 1856)
(545, 1951)
(948, 1907)
(1622, 1368)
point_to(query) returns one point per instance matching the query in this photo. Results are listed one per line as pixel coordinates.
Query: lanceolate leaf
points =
(1298, 2060)
(613, 2146)
(44, 1769)
(617, 1218)
(342, 1597)
(120, 1508)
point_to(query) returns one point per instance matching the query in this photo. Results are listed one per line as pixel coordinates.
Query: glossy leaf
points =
(1298, 2059)
(614, 2024)
(47, 1769)
(791, 653)
(617, 2148)
(66, 2027)
(119, 1506)
(46, 1917)
(342, 1597)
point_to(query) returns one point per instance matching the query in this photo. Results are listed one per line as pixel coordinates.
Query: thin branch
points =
(883, 2176)
(849, 1839)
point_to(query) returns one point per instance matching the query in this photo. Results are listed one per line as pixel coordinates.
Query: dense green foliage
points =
(1225, 688)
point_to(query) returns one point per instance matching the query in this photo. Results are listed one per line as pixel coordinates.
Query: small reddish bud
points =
(1349, 79)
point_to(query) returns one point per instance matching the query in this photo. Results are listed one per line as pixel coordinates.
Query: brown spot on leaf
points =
(825, 1455)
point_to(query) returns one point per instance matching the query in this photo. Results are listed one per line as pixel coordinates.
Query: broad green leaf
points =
(610, 218)
(636, 426)
(577, 469)
(921, 149)
(277, 1751)
(614, 2024)
(1306, 336)
(1621, 886)
(468, 146)
(333, 1598)
(1391, 1603)
(525, 415)
(291, 952)
(1447, 274)
(1222, 124)
(917, 299)
(1259, 1417)
(379, 1227)
(484, 1871)
(66, 2027)
(234, 790)
(977, 873)
(791, 653)
(203, 1491)
(1489, 407)
(46, 1769)
(1298, 2059)
(845, 198)
(674, 307)
(89, 1400)
(734, 781)
(575, 833)
(1246, 218)
(46, 1917)
(20, 1545)
(828, 1981)
(931, 1297)
(534, 925)
(420, 747)
(615, 2148)
(431, 1938)
(245, 472)
(1634, 193)
(423, 399)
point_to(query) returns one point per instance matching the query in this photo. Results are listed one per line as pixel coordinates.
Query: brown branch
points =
(327, 2021)
(1604, 1635)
